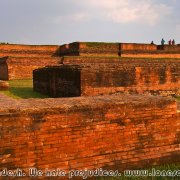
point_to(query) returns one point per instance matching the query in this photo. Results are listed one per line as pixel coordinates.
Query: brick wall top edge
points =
(106, 66)
(109, 43)
(18, 48)
(27, 45)
(121, 58)
(30, 59)
(55, 105)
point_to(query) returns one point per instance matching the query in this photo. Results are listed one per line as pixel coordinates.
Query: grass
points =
(92, 44)
(178, 98)
(172, 168)
(22, 89)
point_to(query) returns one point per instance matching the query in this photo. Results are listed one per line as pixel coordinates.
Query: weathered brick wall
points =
(16, 50)
(118, 49)
(151, 55)
(88, 59)
(157, 79)
(99, 49)
(169, 47)
(89, 49)
(130, 76)
(135, 46)
(58, 81)
(109, 132)
(22, 67)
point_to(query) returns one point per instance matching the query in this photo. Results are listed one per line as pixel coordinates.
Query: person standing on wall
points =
(173, 42)
(152, 42)
(162, 42)
(170, 42)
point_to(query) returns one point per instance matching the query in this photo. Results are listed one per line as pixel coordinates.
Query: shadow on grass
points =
(25, 93)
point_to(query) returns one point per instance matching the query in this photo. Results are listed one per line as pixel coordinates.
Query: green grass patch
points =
(92, 44)
(22, 89)
(178, 98)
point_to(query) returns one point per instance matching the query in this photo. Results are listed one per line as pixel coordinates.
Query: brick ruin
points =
(157, 77)
(22, 67)
(16, 50)
(18, 61)
(110, 132)
(110, 119)
(119, 49)
(36, 56)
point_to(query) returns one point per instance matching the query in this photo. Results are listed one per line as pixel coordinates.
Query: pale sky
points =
(65, 21)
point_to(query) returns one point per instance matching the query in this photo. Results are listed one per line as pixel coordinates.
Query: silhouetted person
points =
(152, 42)
(162, 42)
(170, 42)
(173, 42)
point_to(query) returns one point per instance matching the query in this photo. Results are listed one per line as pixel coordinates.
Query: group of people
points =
(163, 42)
(169, 42)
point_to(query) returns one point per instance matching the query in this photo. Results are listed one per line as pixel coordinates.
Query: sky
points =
(64, 21)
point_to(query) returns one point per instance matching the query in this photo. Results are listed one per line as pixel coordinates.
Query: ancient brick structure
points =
(33, 57)
(17, 50)
(102, 49)
(89, 49)
(118, 49)
(89, 59)
(172, 48)
(22, 67)
(149, 51)
(132, 76)
(109, 132)
(18, 61)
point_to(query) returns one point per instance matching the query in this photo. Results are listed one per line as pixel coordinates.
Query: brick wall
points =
(117, 49)
(161, 55)
(110, 132)
(22, 67)
(169, 47)
(89, 49)
(58, 81)
(27, 50)
(131, 76)
(135, 46)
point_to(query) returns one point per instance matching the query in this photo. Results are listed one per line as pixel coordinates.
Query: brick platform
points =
(22, 67)
(109, 132)
(152, 77)
(18, 50)
(18, 61)
(118, 49)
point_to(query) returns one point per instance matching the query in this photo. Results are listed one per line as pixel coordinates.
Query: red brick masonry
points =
(159, 77)
(22, 67)
(111, 132)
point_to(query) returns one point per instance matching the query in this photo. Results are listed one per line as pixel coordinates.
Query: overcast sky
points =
(65, 21)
